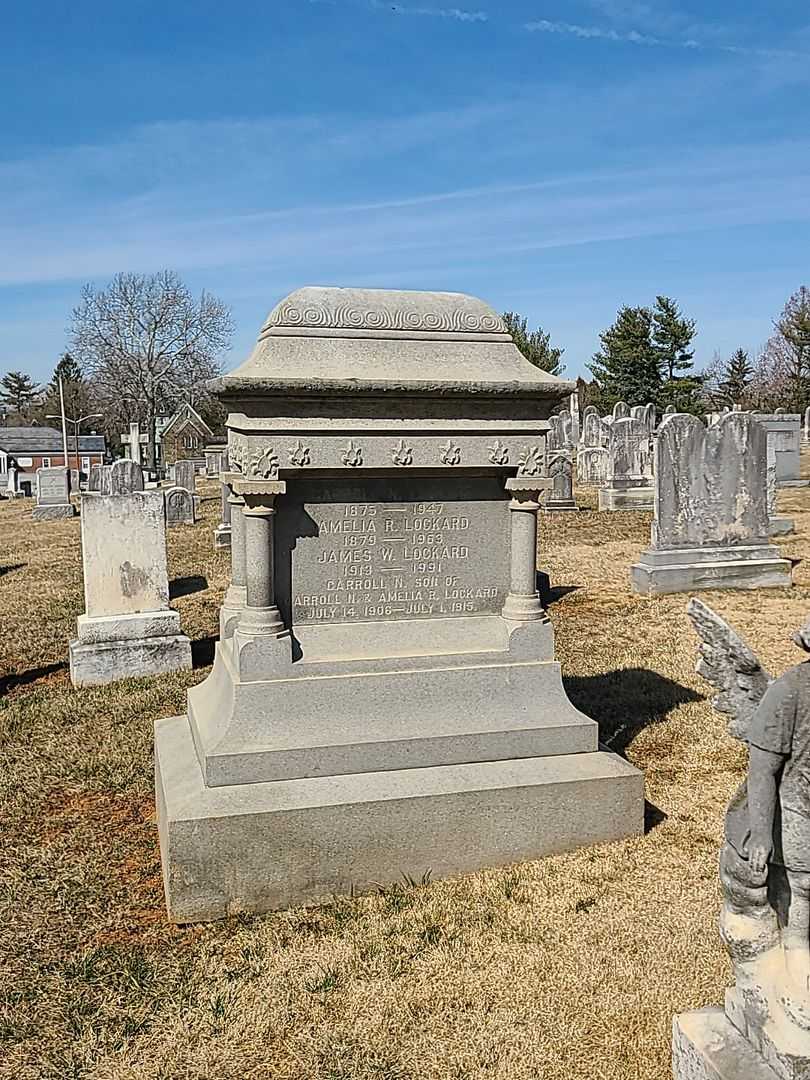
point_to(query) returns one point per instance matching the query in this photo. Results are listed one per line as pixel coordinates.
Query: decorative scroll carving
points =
(300, 454)
(352, 455)
(498, 453)
(356, 314)
(531, 462)
(402, 454)
(451, 453)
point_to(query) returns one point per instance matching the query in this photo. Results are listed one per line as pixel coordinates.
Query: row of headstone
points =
(121, 478)
(560, 443)
(629, 466)
(711, 520)
(128, 628)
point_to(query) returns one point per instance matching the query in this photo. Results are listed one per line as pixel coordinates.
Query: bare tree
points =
(783, 369)
(147, 345)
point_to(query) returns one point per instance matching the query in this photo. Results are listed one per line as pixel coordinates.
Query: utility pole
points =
(64, 423)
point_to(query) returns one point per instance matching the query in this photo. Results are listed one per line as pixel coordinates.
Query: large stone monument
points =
(710, 524)
(128, 628)
(628, 480)
(384, 697)
(763, 1032)
(53, 495)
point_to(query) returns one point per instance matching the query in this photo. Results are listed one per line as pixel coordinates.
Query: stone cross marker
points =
(128, 628)
(387, 458)
(53, 495)
(185, 475)
(710, 527)
(125, 477)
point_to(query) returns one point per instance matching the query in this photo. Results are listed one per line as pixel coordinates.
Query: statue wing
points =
(730, 666)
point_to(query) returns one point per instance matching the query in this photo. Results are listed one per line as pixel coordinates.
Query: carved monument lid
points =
(335, 341)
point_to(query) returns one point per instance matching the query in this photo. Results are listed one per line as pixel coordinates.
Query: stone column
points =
(523, 602)
(236, 594)
(260, 615)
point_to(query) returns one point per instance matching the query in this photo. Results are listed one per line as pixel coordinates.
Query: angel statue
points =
(765, 861)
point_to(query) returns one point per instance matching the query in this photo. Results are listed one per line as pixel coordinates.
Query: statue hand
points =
(759, 852)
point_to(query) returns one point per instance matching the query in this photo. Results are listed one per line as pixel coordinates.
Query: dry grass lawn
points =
(569, 968)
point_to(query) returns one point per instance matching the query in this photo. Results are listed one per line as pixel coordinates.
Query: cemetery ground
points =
(567, 967)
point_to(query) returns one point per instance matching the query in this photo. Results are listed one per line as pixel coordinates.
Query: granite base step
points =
(262, 846)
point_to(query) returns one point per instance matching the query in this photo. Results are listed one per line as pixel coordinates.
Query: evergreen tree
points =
(672, 336)
(19, 394)
(74, 388)
(735, 378)
(535, 345)
(627, 366)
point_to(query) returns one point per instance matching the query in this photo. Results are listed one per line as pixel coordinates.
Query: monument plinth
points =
(384, 697)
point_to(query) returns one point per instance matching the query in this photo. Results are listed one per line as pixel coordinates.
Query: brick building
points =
(30, 448)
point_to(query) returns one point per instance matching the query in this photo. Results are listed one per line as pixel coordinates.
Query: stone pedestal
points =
(115, 647)
(384, 697)
(749, 566)
(707, 1046)
(627, 498)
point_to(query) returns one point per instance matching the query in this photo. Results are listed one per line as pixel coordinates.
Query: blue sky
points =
(556, 158)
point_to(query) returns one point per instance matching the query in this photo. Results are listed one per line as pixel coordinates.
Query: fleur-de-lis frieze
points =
(352, 455)
(498, 453)
(451, 453)
(402, 454)
(264, 464)
(300, 454)
(531, 462)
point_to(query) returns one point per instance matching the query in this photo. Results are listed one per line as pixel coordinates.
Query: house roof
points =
(46, 440)
(189, 413)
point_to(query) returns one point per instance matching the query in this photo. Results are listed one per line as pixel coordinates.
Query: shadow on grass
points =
(25, 678)
(11, 567)
(185, 586)
(202, 652)
(626, 701)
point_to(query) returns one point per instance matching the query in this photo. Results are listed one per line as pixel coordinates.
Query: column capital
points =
(259, 495)
(525, 491)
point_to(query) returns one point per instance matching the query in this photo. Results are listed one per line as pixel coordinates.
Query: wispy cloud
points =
(388, 7)
(635, 37)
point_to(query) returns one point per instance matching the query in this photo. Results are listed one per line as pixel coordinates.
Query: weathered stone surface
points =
(388, 456)
(128, 629)
(185, 475)
(628, 480)
(777, 526)
(764, 865)
(707, 1046)
(179, 506)
(125, 477)
(94, 479)
(621, 410)
(561, 470)
(262, 846)
(710, 526)
(53, 495)
(784, 434)
(591, 466)
(53, 513)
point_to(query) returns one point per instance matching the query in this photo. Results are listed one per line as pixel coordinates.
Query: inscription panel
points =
(52, 486)
(381, 549)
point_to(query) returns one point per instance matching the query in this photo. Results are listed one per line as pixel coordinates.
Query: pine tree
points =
(627, 366)
(535, 345)
(672, 336)
(19, 393)
(74, 388)
(735, 378)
